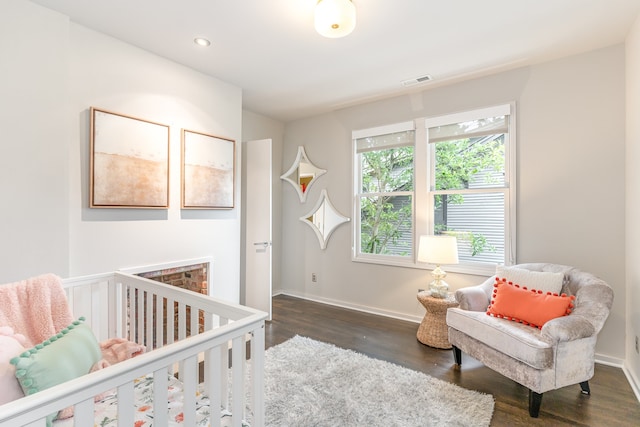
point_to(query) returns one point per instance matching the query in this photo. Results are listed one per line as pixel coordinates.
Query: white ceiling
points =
(270, 49)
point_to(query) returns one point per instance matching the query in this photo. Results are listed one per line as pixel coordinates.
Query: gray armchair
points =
(559, 354)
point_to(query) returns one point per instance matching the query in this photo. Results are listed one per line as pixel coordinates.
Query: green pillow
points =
(63, 357)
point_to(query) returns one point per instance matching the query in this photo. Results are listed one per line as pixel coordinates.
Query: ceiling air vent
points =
(415, 81)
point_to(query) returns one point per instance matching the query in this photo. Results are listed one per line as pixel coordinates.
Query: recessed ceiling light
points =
(200, 41)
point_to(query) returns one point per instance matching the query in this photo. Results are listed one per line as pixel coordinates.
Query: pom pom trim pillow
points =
(530, 307)
(544, 281)
(63, 357)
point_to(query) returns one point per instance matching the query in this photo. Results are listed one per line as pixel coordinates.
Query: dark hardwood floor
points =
(611, 403)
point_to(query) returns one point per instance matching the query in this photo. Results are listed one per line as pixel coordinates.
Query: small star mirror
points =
(302, 174)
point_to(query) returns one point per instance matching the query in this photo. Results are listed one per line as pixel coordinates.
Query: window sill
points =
(468, 268)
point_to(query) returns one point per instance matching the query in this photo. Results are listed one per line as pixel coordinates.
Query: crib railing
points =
(199, 339)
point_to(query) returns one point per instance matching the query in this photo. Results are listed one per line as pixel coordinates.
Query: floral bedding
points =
(106, 409)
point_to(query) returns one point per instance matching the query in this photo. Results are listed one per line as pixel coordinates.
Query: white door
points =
(258, 224)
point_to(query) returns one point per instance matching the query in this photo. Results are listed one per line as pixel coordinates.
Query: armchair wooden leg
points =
(457, 355)
(585, 387)
(535, 399)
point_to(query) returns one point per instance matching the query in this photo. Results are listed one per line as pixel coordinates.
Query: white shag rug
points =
(314, 384)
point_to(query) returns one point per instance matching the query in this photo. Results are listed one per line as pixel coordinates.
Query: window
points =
(468, 187)
(441, 175)
(384, 191)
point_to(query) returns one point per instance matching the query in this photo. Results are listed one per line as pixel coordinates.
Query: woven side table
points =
(433, 329)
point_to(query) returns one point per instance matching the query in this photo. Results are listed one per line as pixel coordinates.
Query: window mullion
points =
(357, 188)
(422, 216)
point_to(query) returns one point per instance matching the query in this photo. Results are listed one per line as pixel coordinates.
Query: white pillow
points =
(539, 280)
(10, 389)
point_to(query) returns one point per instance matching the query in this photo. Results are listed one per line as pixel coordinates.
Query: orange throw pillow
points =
(513, 302)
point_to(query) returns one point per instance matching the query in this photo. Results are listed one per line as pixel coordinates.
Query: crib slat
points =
(94, 318)
(131, 315)
(125, 404)
(224, 369)
(123, 313)
(103, 310)
(237, 361)
(116, 312)
(182, 321)
(140, 317)
(171, 325)
(83, 413)
(213, 382)
(149, 320)
(195, 321)
(257, 377)
(160, 396)
(189, 376)
(159, 322)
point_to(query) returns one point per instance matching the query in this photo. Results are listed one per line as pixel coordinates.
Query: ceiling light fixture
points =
(200, 41)
(335, 18)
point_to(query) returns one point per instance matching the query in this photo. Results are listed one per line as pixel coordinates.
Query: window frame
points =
(422, 195)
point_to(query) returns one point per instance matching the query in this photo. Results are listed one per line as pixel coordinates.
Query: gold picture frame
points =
(207, 171)
(129, 165)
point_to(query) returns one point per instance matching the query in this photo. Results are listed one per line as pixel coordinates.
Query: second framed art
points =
(208, 171)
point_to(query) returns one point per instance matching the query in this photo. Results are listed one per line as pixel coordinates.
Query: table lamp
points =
(438, 250)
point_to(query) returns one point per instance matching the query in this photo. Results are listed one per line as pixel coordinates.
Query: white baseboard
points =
(357, 307)
(633, 381)
(603, 359)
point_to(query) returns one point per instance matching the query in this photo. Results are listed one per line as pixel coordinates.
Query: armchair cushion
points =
(516, 340)
(531, 307)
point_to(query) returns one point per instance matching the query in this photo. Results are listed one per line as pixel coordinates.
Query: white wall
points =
(633, 200)
(61, 71)
(34, 228)
(570, 204)
(115, 76)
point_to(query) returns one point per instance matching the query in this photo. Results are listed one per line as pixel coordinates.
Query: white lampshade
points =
(438, 250)
(335, 18)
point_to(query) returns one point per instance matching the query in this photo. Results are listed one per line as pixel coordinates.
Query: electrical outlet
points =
(314, 278)
(637, 347)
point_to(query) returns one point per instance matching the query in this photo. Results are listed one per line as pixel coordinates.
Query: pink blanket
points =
(116, 350)
(36, 308)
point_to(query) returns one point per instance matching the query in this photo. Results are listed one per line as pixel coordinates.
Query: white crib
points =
(209, 353)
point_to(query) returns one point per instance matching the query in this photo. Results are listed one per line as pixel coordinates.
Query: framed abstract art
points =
(129, 165)
(208, 171)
